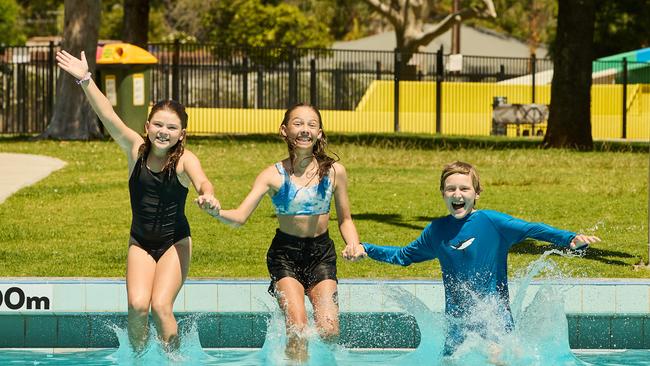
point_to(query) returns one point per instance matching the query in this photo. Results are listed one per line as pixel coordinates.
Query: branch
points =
(387, 11)
(457, 17)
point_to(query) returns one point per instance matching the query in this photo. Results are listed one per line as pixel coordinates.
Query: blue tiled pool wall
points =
(610, 314)
(248, 330)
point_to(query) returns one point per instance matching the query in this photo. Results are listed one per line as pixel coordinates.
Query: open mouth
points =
(303, 138)
(457, 206)
(162, 139)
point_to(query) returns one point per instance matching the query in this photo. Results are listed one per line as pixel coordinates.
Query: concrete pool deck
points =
(22, 170)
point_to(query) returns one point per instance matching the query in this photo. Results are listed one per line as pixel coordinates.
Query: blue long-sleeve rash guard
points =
(473, 253)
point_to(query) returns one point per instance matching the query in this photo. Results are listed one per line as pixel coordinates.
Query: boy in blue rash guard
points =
(472, 247)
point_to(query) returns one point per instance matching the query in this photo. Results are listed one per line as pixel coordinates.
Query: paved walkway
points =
(21, 170)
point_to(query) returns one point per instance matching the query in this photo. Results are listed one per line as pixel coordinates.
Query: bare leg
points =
(140, 271)
(171, 272)
(324, 298)
(291, 297)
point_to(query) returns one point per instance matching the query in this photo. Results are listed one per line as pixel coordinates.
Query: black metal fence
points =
(204, 75)
(27, 87)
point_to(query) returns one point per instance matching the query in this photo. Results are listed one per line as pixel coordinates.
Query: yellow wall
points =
(466, 110)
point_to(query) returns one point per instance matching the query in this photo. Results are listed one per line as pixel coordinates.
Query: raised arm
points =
(342, 203)
(128, 139)
(240, 215)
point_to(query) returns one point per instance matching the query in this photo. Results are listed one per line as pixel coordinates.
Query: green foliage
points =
(346, 19)
(113, 18)
(42, 17)
(10, 29)
(531, 21)
(250, 23)
(621, 26)
(76, 221)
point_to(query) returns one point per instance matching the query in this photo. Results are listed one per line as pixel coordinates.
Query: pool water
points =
(253, 357)
(539, 338)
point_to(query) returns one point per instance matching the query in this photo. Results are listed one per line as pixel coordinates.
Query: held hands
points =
(209, 204)
(582, 241)
(72, 65)
(354, 252)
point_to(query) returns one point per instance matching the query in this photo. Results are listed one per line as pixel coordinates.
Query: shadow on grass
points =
(393, 219)
(404, 141)
(593, 253)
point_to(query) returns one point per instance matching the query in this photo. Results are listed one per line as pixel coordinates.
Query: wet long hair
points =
(324, 161)
(174, 154)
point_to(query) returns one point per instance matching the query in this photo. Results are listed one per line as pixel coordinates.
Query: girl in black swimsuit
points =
(160, 170)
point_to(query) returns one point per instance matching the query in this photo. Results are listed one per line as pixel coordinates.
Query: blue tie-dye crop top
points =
(294, 200)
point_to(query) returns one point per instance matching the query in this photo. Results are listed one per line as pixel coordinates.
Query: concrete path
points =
(21, 170)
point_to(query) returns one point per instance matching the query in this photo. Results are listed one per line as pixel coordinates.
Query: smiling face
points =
(302, 128)
(459, 195)
(164, 129)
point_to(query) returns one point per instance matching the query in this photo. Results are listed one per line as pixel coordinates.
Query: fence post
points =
(502, 73)
(338, 88)
(439, 78)
(624, 135)
(22, 92)
(378, 71)
(533, 71)
(398, 67)
(176, 70)
(313, 90)
(245, 82)
(260, 86)
(51, 71)
(293, 82)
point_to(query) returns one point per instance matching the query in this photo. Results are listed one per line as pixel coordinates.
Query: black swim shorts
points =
(308, 260)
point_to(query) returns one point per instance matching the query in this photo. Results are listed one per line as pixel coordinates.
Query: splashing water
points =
(540, 336)
(154, 353)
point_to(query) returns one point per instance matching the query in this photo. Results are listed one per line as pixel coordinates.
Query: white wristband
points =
(85, 78)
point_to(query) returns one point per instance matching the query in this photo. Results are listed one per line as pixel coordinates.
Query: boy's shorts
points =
(308, 260)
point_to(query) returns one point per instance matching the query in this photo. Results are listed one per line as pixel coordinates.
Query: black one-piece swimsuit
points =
(158, 209)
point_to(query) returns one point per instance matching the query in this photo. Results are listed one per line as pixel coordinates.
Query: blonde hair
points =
(460, 167)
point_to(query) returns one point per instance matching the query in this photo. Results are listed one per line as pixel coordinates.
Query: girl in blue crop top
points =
(160, 170)
(302, 259)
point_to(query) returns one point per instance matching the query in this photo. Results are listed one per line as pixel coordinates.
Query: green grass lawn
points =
(76, 222)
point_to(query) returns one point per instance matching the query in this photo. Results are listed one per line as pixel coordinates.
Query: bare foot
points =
(297, 349)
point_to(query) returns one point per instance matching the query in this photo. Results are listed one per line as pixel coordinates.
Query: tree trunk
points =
(73, 117)
(569, 123)
(136, 22)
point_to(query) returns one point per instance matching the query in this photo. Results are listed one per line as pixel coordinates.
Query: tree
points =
(10, 31)
(621, 26)
(135, 26)
(251, 23)
(74, 118)
(409, 18)
(569, 122)
(41, 17)
(346, 19)
(114, 18)
(532, 21)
